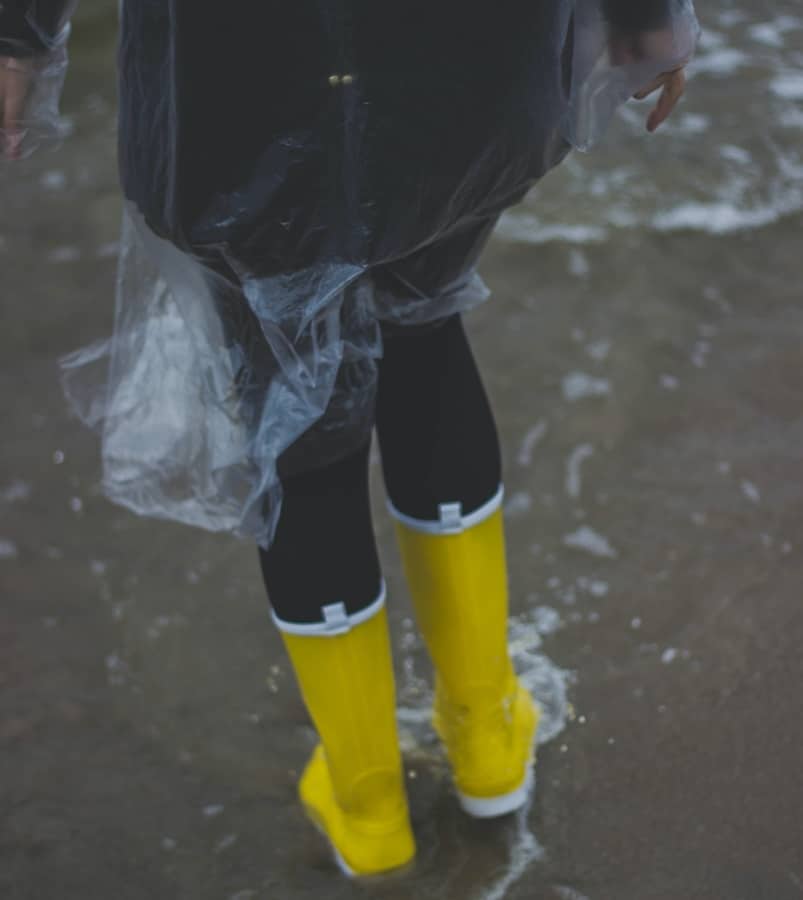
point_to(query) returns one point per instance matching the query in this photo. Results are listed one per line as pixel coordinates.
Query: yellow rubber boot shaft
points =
(353, 786)
(485, 718)
(458, 584)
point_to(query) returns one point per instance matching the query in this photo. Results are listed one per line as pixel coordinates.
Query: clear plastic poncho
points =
(274, 157)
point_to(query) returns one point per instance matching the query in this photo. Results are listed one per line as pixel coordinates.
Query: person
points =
(309, 187)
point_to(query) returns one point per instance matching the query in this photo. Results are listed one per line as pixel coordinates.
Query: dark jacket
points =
(318, 129)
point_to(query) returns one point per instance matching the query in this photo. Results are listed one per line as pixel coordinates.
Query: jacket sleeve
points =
(33, 27)
(632, 16)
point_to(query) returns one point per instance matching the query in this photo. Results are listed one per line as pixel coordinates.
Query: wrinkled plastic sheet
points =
(195, 406)
(220, 370)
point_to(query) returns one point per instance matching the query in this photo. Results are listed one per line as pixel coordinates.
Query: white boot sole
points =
(501, 805)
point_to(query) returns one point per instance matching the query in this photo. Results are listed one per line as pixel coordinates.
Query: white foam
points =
(543, 679)
(524, 851)
(789, 86)
(751, 491)
(725, 218)
(579, 385)
(54, 180)
(585, 538)
(599, 349)
(788, 23)
(531, 439)
(547, 683)
(416, 716)
(766, 33)
(622, 217)
(735, 154)
(598, 588)
(546, 620)
(528, 229)
(518, 504)
(228, 840)
(710, 39)
(699, 355)
(573, 469)
(720, 61)
(792, 118)
(689, 124)
(117, 669)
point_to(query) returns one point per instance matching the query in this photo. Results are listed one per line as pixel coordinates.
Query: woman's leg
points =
(436, 430)
(324, 582)
(441, 462)
(324, 554)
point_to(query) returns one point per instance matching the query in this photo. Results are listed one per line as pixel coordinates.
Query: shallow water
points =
(643, 351)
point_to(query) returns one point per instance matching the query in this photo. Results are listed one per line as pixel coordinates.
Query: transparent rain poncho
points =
(276, 159)
(33, 46)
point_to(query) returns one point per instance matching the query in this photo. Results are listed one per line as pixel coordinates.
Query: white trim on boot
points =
(336, 620)
(451, 518)
(491, 807)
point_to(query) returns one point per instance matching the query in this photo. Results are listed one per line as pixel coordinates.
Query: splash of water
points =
(524, 851)
(548, 685)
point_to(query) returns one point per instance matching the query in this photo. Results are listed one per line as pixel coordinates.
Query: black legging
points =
(439, 444)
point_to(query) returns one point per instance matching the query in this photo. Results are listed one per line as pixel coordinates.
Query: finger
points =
(15, 92)
(659, 82)
(672, 92)
(651, 88)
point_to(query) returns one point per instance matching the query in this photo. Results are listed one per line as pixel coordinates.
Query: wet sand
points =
(648, 390)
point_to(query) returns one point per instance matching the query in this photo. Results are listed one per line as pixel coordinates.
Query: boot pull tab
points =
(451, 517)
(335, 618)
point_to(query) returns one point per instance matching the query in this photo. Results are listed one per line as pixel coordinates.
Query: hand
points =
(16, 79)
(672, 85)
(661, 45)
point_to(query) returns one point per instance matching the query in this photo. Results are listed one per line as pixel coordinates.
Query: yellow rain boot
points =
(486, 719)
(353, 787)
